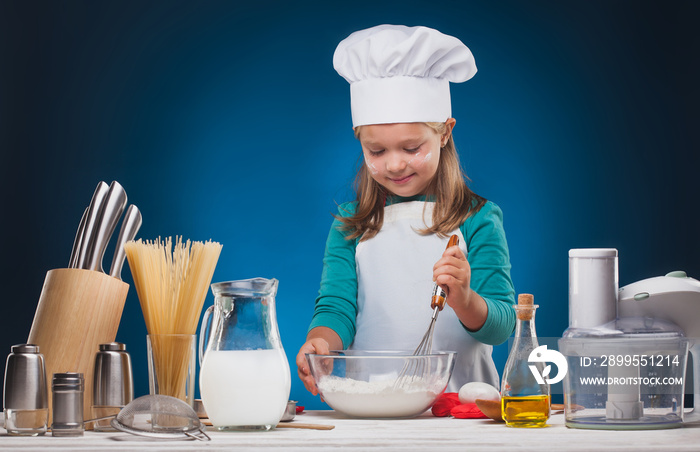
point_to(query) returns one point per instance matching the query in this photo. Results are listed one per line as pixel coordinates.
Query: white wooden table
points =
(419, 434)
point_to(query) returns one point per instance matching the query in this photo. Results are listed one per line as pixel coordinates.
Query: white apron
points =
(394, 283)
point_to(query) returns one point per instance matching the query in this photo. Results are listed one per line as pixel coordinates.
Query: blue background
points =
(225, 120)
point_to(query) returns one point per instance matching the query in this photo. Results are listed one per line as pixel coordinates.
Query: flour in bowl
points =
(379, 399)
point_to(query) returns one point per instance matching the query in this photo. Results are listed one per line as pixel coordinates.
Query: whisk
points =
(437, 302)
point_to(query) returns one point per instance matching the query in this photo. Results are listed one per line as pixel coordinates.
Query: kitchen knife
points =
(76, 243)
(110, 212)
(130, 226)
(90, 223)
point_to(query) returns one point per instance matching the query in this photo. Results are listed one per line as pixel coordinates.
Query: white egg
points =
(478, 390)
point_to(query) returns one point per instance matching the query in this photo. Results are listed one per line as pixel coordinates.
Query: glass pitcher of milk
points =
(244, 378)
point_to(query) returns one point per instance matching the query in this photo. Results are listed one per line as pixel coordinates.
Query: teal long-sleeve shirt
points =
(487, 254)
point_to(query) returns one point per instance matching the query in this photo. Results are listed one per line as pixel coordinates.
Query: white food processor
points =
(627, 349)
(674, 297)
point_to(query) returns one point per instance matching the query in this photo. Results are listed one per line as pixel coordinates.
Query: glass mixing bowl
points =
(381, 384)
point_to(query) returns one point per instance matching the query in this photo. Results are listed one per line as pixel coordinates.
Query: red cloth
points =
(444, 404)
(467, 411)
(448, 404)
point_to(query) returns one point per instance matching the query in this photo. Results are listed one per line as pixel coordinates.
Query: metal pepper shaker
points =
(113, 385)
(68, 389)
(25, 401)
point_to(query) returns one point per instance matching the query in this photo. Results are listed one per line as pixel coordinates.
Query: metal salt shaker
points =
(68, 389)
(113, 385)
(25, 401)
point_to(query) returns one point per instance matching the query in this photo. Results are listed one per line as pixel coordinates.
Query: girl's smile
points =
(402, 180)
(402, 157)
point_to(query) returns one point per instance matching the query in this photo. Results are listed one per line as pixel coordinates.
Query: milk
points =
(245, 388)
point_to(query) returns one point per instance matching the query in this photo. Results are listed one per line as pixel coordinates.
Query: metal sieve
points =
(160, 416)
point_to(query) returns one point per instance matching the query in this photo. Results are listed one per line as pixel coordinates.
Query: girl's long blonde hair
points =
(454, 201)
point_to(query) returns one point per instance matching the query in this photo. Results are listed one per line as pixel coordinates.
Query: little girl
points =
(386, 250)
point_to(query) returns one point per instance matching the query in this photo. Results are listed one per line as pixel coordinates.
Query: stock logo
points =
(542, 355)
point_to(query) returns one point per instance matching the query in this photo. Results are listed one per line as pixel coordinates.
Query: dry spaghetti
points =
(171, 283)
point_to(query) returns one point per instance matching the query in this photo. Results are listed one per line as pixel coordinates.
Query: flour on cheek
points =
(370, 166)
(420, 159)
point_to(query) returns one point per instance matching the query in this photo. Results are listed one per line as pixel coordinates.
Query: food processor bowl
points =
(627, 374)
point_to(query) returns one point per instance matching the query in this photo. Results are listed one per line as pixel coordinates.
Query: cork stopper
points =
(526, 299)
(526, 307)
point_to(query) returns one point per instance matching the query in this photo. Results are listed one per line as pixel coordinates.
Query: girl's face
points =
(403, 157)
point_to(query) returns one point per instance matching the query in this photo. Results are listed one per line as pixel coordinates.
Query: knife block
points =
(77, 311)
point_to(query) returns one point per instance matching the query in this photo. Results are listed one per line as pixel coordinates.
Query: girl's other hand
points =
(320, 341)
(317, 346)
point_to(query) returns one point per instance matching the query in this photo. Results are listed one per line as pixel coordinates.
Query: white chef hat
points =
(401, 74)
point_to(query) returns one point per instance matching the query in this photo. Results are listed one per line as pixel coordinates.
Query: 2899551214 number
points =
(639, 360)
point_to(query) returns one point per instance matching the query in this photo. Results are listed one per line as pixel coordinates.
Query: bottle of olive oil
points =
(524, 401)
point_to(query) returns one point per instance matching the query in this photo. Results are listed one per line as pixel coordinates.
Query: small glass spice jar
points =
(68, 391)
(25, 401)
(113, 385)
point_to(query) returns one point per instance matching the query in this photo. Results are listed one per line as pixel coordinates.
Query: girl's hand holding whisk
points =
(453, 274)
